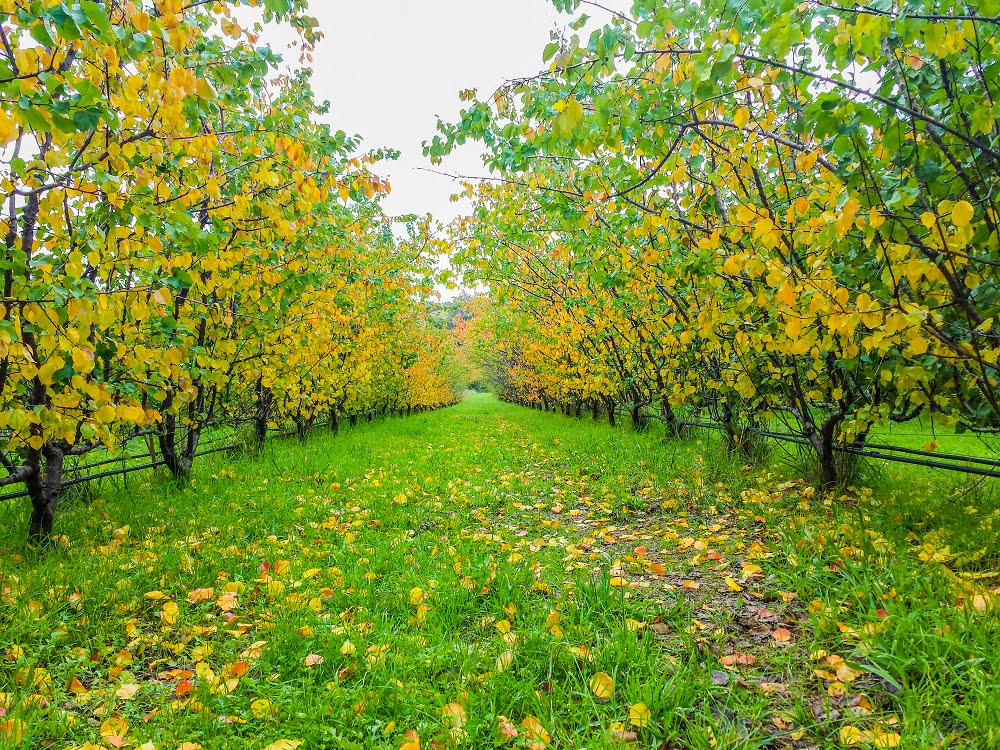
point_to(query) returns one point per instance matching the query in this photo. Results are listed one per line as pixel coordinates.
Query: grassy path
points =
(486, 576)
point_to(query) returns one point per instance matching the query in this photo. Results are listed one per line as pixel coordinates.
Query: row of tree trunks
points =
(176, 447)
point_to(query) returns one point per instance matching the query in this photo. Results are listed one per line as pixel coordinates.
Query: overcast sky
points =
(389, 67)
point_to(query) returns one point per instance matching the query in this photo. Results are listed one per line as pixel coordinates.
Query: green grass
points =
(437, 545)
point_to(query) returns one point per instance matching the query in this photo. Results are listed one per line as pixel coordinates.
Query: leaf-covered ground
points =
(490, 576)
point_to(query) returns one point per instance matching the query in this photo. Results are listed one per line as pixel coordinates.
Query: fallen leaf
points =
(623, 735)
(127, 692)
(602, 686)
(284, 744)
(506, 728)
(260, 708)
(538, 738)
(504, 661)
(639, 715)
(782, 635)
(851, 736)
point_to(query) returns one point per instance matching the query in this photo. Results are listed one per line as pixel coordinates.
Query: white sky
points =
(389, 67)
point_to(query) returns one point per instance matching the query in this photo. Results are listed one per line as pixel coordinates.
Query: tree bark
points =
(44, 488)
(609, 404)
(669, 417)
(265, 399)
(178, 464)
(639, 421)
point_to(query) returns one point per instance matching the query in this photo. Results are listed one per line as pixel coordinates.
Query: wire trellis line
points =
(928, 459)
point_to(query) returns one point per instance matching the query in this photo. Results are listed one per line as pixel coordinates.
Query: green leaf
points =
(87, 119)
(96, 15)
(928, 170)
(281, 7)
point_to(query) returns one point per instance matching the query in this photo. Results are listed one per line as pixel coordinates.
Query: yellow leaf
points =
(454, 716)
(411, 741)
(786, 294)
(961, 213)
(733, 265)
(127, 692)
(260, 708)
(538, 738)
(639, 715)
(284, 745)
(114, 726)
(106, 414)
(8, 129)
(13, 730)
(851, 736)
(732, 585)
(314, 660)
(602, 686)
(504, 661)
(255, 650)
(348, 648)
(416, 595)
(883, 738)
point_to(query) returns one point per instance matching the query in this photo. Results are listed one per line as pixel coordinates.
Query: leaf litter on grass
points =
(473, 586)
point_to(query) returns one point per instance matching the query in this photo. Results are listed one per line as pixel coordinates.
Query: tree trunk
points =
(303, 427)
(639, 421)
(44, 488)
(669, 417)
(609, 404)
(178, 464)
(354, 420)
(827, 456)
(595, 409)
(823, 443)
(735, 439)
(265, 399)
(334, 421)
(579, 408)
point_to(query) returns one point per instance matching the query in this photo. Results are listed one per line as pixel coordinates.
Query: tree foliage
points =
(756, 212)
(188, 244)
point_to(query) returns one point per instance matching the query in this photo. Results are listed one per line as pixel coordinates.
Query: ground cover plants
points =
(489, 575)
